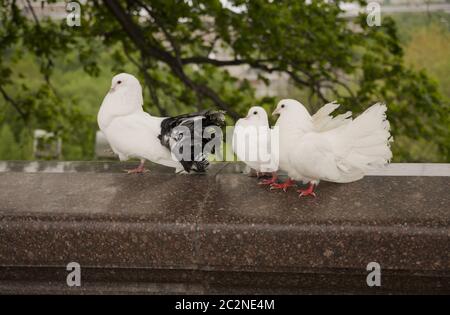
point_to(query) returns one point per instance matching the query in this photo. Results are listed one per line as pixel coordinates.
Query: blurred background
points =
(57, 59)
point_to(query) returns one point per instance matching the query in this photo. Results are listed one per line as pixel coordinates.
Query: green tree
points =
(174, 45)
(9, 149)
(25, 144)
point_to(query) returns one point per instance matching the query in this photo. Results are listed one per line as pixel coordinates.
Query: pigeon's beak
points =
(113, 88)
(276, 112)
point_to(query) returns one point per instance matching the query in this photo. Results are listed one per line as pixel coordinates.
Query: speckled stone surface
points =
(218, 233)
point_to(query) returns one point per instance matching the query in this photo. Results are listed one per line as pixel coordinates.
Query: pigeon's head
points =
(257, 114)
(124, 81)
(124, 97)
(291, 108)
(287, 106)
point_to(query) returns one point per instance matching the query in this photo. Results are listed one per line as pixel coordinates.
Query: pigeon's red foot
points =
(284, 186)
(138, 170)
(270, 181)
(307, 192)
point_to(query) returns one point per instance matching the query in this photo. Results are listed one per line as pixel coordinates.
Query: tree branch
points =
(254, 63)
(14, 104)
(139, 40)
(30, 7)
(134, 32)
(168, 36)
(149, 81)
(153, 93)
(224, 63)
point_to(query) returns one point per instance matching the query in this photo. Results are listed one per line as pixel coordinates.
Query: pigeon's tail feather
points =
(366, 141)
(215, 118)
(323, 121)
(188, 135)
(326, 110)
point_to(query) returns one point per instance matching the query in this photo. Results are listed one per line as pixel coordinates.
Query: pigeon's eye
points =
(282, 105)
(255, 113)
(118, 82)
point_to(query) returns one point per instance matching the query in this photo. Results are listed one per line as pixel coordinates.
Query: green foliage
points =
(9, 149)
(54, 77)
(429, 49)
(426, 38)
(12, 148)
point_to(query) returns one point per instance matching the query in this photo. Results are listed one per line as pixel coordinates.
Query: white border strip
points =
(413, 169)
(394, 169)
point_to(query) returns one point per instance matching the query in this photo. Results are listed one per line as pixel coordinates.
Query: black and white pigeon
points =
(133, 133)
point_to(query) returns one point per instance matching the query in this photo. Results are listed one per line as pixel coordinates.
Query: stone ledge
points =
(218, 233)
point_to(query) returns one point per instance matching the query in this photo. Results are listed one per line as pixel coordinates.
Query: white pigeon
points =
(341, 154)
(253, 143)
(133, 133)
(322, 121)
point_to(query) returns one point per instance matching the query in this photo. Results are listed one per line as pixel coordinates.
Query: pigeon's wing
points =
(150, 123)
(174, 136)
(323, 121)
(313, 158)
(356, 147)
(136, 135)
